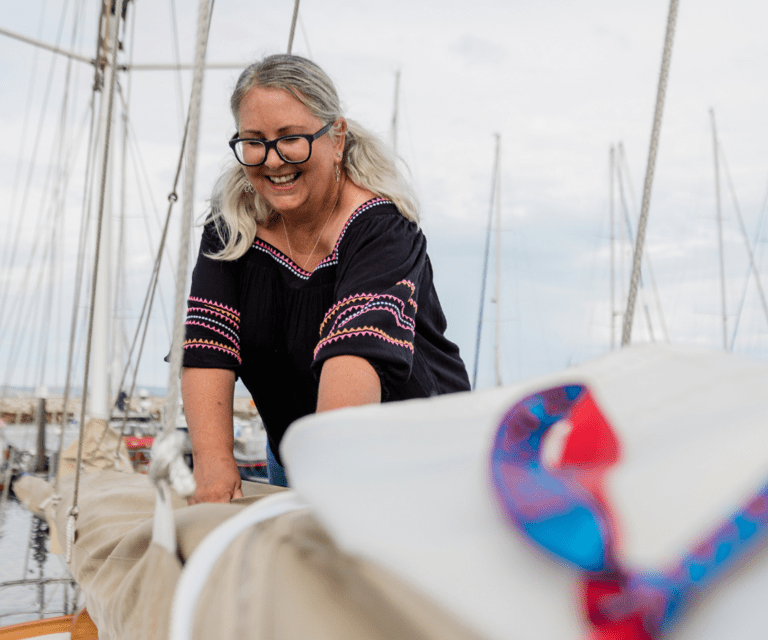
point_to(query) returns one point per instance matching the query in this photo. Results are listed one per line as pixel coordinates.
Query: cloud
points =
(478, 51)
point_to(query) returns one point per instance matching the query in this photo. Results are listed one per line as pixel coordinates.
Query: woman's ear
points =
(340, 127)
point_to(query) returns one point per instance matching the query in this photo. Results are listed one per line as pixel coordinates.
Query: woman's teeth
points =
(282, 179)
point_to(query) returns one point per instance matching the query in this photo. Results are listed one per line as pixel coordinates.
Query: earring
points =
(338, 155)
(249, 188)
(338, 173)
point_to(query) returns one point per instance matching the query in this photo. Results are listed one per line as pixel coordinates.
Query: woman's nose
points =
(273, 159)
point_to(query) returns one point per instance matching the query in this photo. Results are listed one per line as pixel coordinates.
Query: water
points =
(25, 546)
(25, 555)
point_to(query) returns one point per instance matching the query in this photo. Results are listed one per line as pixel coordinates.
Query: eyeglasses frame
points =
(272, 144)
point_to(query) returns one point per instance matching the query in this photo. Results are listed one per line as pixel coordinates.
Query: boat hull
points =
(73, 627)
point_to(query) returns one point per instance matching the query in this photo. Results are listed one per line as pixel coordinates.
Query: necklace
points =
(311, 253)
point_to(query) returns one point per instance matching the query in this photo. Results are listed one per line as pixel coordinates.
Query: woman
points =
(310, 273)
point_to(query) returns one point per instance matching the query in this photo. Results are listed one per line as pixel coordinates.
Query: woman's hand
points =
(218, 480)
(208, 396)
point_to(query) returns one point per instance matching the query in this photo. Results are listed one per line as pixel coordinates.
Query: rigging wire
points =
(177, 60)
(747, 245)
(758, 233)
(79, 271)
(658, 111)
(48, 276)
(9, 254)
(154, 283)
(140, 171)
(7, 308)
(59, 200)
(23, 328)
(486, 259)
(65, 186)
(146, 311)
(79, 268)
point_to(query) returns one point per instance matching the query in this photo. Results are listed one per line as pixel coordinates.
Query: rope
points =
(293, 25)
(626, 333)
(168, 464)
(71, 521)
(169, 437)
(113, 27)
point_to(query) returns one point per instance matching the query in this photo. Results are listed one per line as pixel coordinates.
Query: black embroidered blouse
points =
(275, 324)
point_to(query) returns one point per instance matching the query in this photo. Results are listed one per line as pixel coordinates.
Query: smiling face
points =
(294, 190)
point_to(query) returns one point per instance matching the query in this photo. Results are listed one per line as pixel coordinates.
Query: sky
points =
(560, 82)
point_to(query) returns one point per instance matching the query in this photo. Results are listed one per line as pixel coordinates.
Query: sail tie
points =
(71, 521)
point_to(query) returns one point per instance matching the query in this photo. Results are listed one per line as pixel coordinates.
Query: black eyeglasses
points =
(293, 149)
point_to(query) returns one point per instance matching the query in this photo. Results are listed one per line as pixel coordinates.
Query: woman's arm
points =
(347, 381)
(208, 397)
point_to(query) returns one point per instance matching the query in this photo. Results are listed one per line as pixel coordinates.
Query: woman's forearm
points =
(208, 397)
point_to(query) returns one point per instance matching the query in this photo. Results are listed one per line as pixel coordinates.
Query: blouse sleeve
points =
(374, 314)
(213, 319)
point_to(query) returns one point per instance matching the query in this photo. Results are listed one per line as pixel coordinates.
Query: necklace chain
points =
(311, 253)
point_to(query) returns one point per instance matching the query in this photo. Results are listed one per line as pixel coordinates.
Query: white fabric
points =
(407, 485)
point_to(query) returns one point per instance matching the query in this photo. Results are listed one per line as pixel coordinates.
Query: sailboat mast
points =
(497, 296)
(612, 165)
(485, 262)
(719, 231)
(101, 343)
(394, 111)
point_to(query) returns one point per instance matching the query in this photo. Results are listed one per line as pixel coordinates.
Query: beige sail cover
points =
(102, 449)
(283, 579)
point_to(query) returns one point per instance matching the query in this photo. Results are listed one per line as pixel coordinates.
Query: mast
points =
(612, 164)
(719, 231)
(497, 295)
(101, 342)
(394, 111)
(485, 260)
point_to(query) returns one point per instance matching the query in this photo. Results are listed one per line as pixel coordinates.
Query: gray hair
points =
(367, 160)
